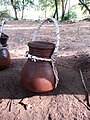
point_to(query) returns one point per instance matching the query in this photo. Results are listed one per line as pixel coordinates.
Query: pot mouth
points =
(41, 45)
(4, 36)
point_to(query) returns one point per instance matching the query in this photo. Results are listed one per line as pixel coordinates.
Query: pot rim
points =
(41, 45)
(4, 36)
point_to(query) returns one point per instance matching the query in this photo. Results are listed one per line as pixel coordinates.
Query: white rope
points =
(1, 27)
(55, 73)
(35, 59)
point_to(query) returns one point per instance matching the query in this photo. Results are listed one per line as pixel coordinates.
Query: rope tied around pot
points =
(2, 47)
(52, 61)
(1, 31)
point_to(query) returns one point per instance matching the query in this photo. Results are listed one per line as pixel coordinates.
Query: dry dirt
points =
(69, 100)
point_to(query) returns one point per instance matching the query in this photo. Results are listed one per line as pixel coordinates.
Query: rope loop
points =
(53, 56)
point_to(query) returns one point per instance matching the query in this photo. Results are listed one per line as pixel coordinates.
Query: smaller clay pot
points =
(4, 53)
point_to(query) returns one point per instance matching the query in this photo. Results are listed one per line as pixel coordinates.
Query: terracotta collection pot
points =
(37, 74)
(4, 53)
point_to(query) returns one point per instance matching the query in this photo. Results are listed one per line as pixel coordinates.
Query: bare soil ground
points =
(69, 100)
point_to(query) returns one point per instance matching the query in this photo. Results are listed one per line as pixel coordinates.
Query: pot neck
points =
(41, 49)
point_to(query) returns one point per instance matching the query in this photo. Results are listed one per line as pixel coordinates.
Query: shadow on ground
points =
(68, 69)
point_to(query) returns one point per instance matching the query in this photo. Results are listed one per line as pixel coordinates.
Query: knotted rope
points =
(2, 47)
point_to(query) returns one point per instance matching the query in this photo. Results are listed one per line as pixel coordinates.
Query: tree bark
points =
(63, 10)
(56, 11)
(22, 9)
(54, 14)
(14, 7)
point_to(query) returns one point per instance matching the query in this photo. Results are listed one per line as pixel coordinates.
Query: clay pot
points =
(38, 76)
(4, 53)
